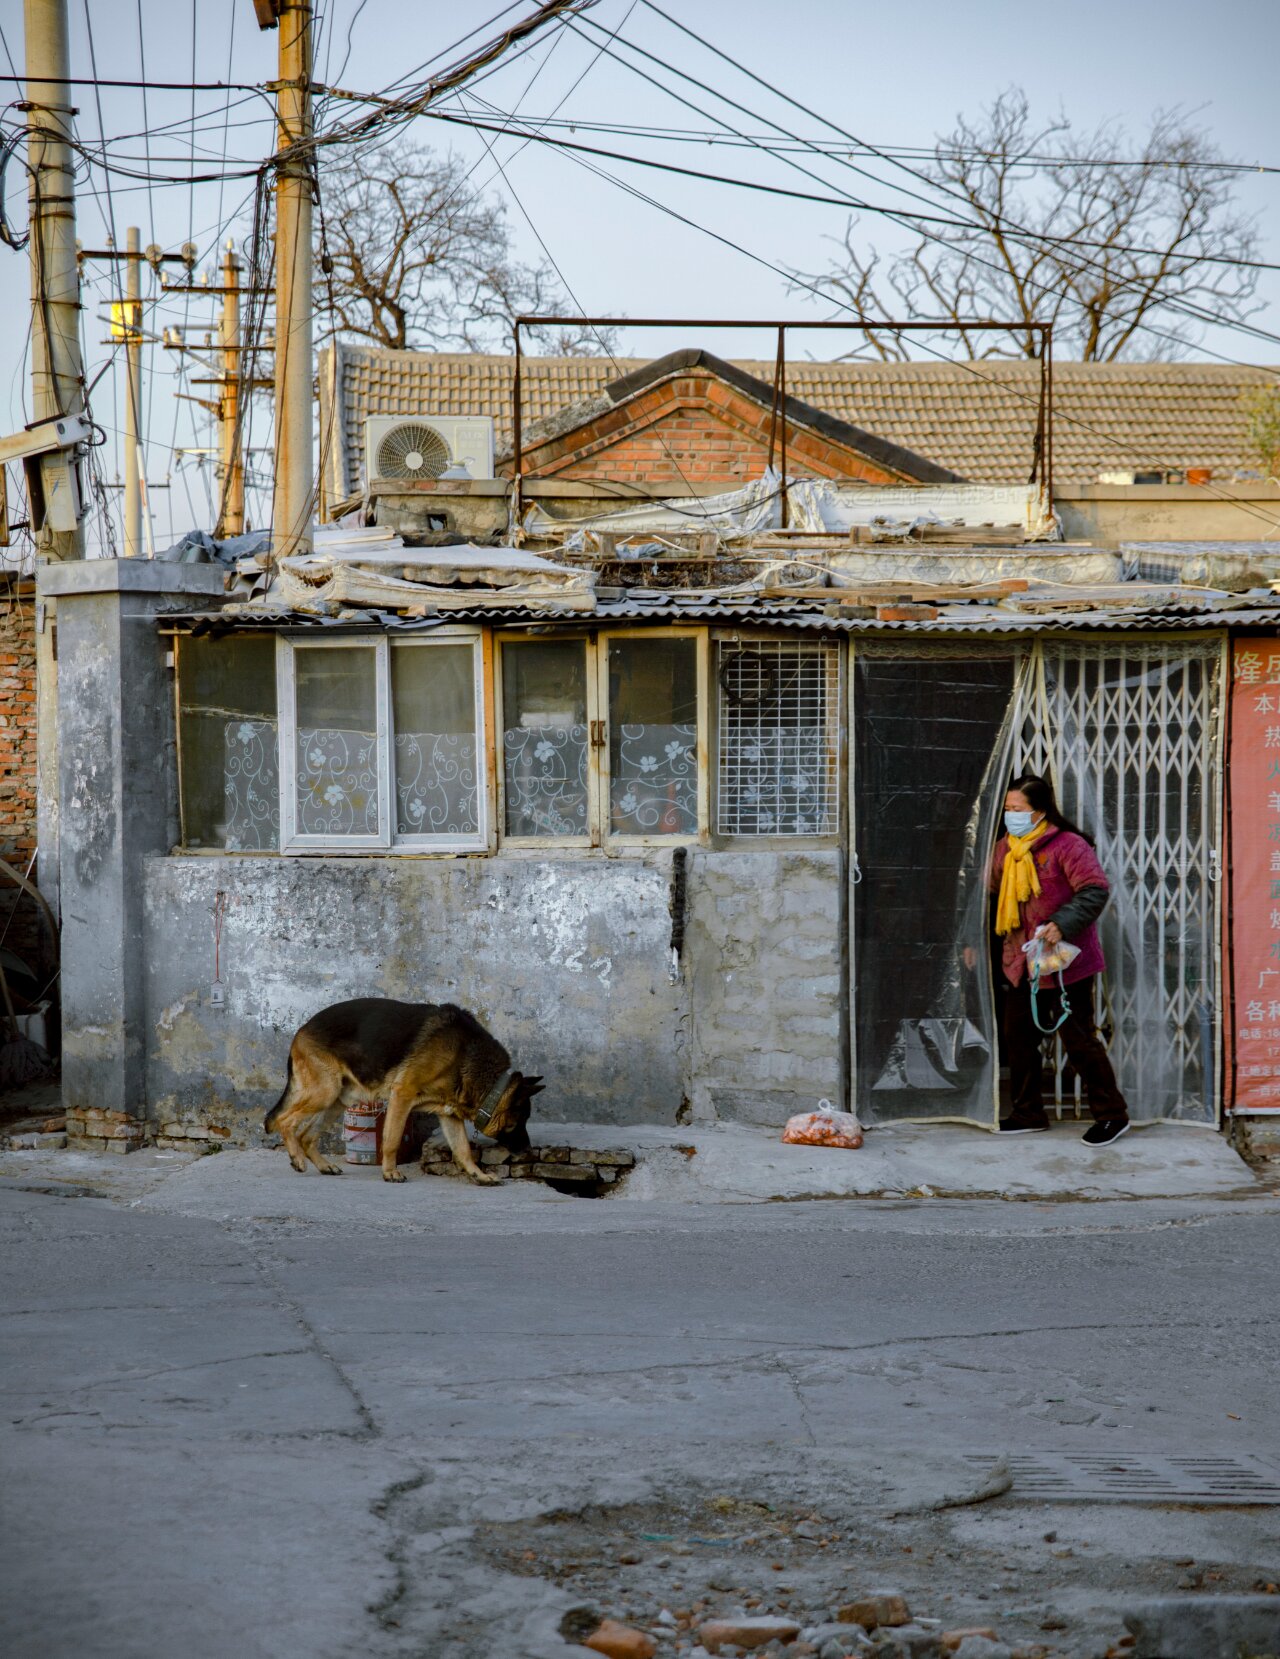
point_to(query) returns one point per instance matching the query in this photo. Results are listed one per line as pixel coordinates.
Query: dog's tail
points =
(269, 1122)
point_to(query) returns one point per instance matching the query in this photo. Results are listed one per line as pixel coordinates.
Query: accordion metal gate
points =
(1129, 730)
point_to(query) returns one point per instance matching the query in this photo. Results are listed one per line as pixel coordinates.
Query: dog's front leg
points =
(399, 1105)
(455, 1132)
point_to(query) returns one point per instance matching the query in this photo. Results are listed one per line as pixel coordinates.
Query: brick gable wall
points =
(692, 429)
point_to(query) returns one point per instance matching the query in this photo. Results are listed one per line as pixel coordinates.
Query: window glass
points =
(653, 736)
(230, 770)
(433, 706)
(778, 732)
(544, 739)
(336, 741)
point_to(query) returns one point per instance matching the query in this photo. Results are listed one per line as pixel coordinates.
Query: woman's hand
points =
(1051, 933)
(970, 957)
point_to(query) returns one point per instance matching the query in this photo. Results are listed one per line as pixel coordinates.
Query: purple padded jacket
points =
(1065, 864)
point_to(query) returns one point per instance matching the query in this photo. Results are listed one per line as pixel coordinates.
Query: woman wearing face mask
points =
(1046, 877)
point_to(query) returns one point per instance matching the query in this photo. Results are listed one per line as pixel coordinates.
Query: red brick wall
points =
(693, 429)
(17, 755)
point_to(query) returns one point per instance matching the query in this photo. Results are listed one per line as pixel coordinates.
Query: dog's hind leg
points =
(455, 1132)
(309, 1139)
(315, 1089)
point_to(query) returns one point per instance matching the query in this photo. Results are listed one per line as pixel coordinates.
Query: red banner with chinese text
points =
(1253, 923)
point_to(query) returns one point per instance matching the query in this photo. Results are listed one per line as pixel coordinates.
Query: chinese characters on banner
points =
(1254, 924)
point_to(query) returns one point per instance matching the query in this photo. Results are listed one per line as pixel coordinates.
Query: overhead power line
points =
(531, 136)
(904, 217)
(137, 85)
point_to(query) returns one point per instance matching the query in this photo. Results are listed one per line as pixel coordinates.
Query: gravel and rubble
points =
(702, 1575)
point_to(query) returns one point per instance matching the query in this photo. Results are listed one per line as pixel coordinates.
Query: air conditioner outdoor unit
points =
(424, 446)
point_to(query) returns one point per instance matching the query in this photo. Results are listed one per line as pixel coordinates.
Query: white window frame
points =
(387, 840)
(478, 839)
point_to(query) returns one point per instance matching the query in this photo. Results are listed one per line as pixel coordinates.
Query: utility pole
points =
(126, 328)
(295, 467)
(132, 322)
(231, 521)
(57, 374)
(228, 376)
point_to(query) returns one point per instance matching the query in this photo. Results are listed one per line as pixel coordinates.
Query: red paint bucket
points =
(362, 1124)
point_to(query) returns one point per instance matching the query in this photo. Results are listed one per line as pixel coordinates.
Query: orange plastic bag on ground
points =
(823, 1128)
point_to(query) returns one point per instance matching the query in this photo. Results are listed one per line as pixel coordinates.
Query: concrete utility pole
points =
(295, 467)
(132, 324)
(231, 522)
(57, 374)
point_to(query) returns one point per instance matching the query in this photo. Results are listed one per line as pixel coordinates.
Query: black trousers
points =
(1080, 1038)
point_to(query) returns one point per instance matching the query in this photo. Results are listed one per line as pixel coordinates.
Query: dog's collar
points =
(489, 1105)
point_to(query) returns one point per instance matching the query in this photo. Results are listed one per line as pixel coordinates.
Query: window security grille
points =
(778, 733)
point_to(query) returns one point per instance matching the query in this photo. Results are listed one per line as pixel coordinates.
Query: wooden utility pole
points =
(132, 324)
(57, 374)
(228, 378)
(231, 519)
(294, 465)
(127, 330)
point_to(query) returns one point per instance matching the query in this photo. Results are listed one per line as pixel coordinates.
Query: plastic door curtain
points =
(1128, 729)
(932, 743)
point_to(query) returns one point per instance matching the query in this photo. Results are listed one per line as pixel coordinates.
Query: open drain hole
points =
(577, 1189)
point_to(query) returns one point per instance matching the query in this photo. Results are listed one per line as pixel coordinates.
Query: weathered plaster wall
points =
(117, 792)
(567, 961)
(763, 949)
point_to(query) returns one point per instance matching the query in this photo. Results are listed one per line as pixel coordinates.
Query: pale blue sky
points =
(893, 75)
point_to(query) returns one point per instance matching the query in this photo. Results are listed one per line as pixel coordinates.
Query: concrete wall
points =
(764, 951)
(1108, 514)
(117, 802)
(567, 960)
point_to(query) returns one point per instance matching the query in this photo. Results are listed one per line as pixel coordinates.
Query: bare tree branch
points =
(1105, 240)
(420, 260)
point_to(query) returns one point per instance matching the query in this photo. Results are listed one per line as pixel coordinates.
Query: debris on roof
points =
(817, 506)
(379, 570)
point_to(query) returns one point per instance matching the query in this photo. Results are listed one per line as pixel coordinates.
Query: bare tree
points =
(1127, 250)
(1262, 434)
(421, 259)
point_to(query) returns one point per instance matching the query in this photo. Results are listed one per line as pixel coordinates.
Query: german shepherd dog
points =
(418, 1057)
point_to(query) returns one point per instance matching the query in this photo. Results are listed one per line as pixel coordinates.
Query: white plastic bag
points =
(1044, 959)
(824, 1127)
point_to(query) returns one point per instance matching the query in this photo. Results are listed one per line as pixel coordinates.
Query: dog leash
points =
(1065, 1003)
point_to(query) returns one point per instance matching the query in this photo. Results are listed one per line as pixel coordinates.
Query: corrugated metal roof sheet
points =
(984, 619)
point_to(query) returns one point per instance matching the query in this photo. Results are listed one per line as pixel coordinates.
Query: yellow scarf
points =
(1018, 879)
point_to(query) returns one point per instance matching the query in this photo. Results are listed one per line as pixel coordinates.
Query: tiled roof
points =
(976, 419)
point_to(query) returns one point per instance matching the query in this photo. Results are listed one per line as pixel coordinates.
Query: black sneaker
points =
(1020, 1126)
(1102, 1134)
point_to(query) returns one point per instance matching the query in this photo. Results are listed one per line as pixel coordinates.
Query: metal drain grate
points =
(1101, 1478)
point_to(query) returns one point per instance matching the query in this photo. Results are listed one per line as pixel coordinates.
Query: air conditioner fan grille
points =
(412, 451)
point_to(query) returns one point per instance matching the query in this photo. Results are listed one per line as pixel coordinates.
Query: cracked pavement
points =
(242, 1418)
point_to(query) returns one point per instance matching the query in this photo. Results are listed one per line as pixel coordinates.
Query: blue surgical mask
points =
(1019, 823)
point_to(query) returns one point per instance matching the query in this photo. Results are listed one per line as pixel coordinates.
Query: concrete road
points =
(253, 1417)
